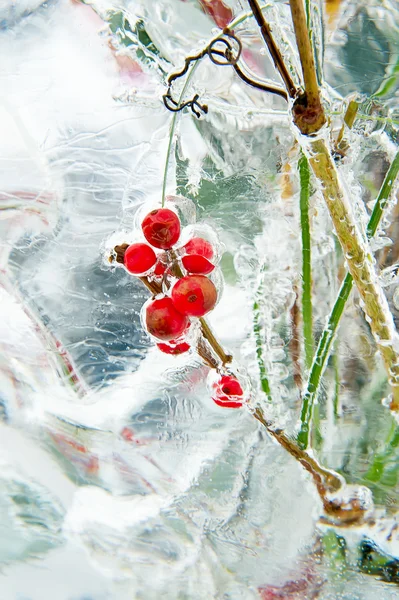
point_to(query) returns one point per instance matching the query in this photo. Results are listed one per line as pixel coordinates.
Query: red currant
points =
(197, 264)
(139, 258)
(163, 320)
(198, 245)
(161, 228)
(174, 349)
(228, 392)
(198, 252)
(194, 295)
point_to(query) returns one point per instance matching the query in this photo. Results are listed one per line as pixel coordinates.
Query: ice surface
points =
(120, 478)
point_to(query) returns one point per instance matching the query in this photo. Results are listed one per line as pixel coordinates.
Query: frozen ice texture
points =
(119, 476)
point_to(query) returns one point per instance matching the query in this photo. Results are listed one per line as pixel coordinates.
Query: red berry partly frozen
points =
(139, 258)
(163, 320)
(194, 295)
(198, 245)
(198, 252)
(161, 228)
(227, 392)
(197, 264)
(174, 348)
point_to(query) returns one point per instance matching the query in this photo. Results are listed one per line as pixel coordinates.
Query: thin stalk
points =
(305, 52)
(308, 112)
(294, 344)
(383, 196)
(235, 23)
(259, 342)
(172, 130)
(273, 48)
(349, 119)
(327, 337)
(216, 347)
(307, 317)
(327, 482)
(376, 469)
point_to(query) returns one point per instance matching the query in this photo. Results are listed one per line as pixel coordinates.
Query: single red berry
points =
(198, 252)
(139, 258)
(198, 245)
(174, 349)
(163, 320)
(194, 295)
(228, 392)
(161, 228)
(197, 264)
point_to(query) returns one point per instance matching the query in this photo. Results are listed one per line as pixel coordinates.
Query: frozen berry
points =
(227, 392)
(139, 258)
(197, 264)
(198, 245)
(161, 228)
(174, 349)
(198, 252)
(163, 320)
(194, 295)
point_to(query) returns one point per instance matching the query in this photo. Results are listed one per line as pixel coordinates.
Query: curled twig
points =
(224, 50)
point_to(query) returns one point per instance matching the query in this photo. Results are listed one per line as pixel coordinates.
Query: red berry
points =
(161, 228)
(139, 258)
(198, 252)
(199, 246)
(163, 321)
(197, 264)
(174, 349)
(228, 392)
(194, 295)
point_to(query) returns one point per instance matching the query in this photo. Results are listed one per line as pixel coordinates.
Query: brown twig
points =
(209, 336)
(273, 49)
(341, 508)
(295, 346)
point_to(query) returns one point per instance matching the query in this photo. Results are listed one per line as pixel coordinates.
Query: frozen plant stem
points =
(273, 48)
(359, 261)
(308, 112)
(328, 335)
(259, 342)
(304, 179)
(309, 118)
(327, 482)
(172, 131)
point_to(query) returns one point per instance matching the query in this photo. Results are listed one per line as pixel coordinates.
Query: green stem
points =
(376, 470)
(259, 342)
(172, 130)
(304, 178)
(327, 337)
(382, 198)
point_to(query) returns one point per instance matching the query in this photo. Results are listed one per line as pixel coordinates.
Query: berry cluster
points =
(182, 294)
